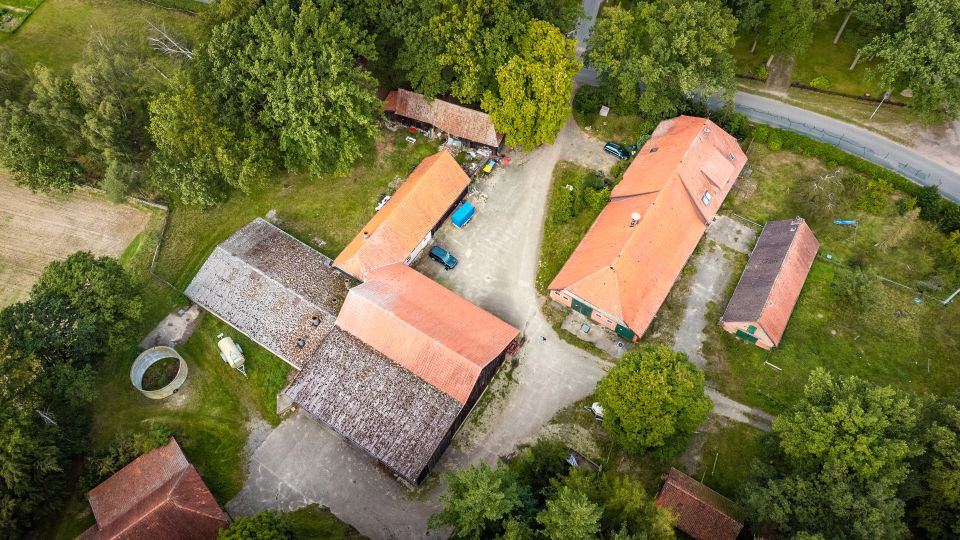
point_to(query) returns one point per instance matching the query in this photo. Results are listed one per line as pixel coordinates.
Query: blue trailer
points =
(463, 215)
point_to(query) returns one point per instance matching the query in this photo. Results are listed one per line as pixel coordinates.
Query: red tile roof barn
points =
(771, 283)
(701, 512)
(411, 213)
(457, 120)
(158, 496)
(419, 324)
(626, 269)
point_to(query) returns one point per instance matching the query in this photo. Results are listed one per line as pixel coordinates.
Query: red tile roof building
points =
(456, 120)
(770, 285)
(419, 324)
(404, 226)
(158, 496)
(626, 264)
(700, 512)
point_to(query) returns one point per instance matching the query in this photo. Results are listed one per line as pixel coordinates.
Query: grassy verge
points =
(58, 30)
(890, 339)
(331, 209)
(570, 212)
(823, 59)
(316, 521)
(724, 451)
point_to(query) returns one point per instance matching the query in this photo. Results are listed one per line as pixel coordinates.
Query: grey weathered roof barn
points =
(273, 288)
(381, 407)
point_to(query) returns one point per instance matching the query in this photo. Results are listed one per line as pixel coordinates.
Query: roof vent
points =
(706, 130)
(731, 157)
(366, 235)
(301, 343)
(315, 321)
(634, 219)
(654, 149)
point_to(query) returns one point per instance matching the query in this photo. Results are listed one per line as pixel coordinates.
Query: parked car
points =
(615, 149)
(443, 257)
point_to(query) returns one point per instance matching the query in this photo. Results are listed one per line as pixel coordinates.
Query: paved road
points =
(866, 144)
(587, 75)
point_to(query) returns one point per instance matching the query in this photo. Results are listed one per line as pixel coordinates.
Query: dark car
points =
(615, 149)
(443, 257)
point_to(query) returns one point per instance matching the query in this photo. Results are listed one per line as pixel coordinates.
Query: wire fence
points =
(915, 168)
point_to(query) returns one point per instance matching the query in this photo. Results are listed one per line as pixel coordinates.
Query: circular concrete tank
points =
(150, 357)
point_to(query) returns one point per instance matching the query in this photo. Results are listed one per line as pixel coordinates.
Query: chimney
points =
(366, 235)
(301, 343)
(634, 219)
(315, 321)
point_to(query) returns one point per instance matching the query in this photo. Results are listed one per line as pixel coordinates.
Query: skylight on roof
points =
(706, 198)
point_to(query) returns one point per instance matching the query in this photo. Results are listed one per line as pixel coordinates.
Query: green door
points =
(625, 332)
(582, 308)
(746, 337)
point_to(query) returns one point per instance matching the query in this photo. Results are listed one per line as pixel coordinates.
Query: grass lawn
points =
(315, 521)
(329, 208)
(569, 216)
(57, 32)
(889, 340)
(721, 454)
(824, 59)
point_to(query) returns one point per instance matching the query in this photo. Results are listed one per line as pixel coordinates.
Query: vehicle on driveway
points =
(443, 257)
(615, 149)
(463, 215)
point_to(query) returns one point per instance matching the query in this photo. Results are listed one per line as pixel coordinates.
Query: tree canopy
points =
(653, 398)
(842, 454)
(534, 88)
(662, 52)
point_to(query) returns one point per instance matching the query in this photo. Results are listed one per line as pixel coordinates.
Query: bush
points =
(561, 210)
(265, 525)
(949, 219)
(821, 83)
(761, 133)
(905, 205)
(598, 199)
(589, 99)
(928, 200)
(774, 142)
(876, 197)
(125, 449)
(762, 73)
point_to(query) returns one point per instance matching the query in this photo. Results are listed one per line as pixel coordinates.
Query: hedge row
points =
(933, 207)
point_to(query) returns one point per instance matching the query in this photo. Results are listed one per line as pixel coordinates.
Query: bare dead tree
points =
(165, 43)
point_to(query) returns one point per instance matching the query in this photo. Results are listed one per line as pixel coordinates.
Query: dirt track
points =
(36, 229)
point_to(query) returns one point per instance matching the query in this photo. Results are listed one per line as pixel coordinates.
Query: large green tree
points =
(663, 52)
(478, 499)
(198, 158)
(652, 398)
(100, 292)
(532, 101)
(937, 511)
(842, 454)
(570, 515)
(264, 525)
(924, 56)
(291, 71)
(33, 155)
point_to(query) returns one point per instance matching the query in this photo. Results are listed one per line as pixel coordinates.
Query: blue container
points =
(463, 215)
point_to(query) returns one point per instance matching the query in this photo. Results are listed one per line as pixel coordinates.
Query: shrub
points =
(949, 219)
(266, 525)
(761, 133)
(876, 197)
(561, 211)
(125, 449)
(821, 83)
(589, 99)
(597, 199)
(774, 142)
(762, 73)
(928, 200)
(905, 205)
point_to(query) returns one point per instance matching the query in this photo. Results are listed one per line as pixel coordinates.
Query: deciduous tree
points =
(532, 101)
(477, 500)
(663, 52)
(32, 154)
(842, 454)
(266, 525)
(652, 398)
(570, 515)
(925, 57)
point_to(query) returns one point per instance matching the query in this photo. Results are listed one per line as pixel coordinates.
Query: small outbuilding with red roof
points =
(770, 285)
(158, 496)
(700, 511)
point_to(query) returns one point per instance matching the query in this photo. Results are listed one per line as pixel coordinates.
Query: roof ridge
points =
(783, 260)
(173, 481)
(679, 483)
(270, 278)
